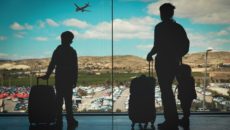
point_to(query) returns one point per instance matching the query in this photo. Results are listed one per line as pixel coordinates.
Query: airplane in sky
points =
(81, 8)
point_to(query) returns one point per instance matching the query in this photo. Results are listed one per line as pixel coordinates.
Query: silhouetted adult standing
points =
(170, 45)
(64, 61)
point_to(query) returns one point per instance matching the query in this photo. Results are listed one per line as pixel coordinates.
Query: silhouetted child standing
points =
(186, 92)
(64, 61)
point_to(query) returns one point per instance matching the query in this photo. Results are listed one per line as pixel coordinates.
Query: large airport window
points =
(112, 39)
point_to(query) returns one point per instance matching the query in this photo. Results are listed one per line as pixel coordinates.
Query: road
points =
(120, 102)
(86, 102)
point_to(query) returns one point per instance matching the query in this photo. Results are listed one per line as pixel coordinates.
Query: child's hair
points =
(184, 71)
(67, 37)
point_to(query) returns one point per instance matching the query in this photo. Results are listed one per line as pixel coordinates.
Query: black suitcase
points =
(42, 104)
(142, 101)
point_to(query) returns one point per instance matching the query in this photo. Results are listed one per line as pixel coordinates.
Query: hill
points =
(125, 63)
(214, 58)
(122, 63)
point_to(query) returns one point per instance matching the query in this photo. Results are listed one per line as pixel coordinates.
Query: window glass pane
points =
(133, 38)
(30, 32)
(134, 23)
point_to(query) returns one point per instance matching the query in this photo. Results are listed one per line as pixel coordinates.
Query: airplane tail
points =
(87, 10)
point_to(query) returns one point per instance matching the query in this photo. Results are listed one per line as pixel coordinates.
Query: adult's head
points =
(67, 38)
(166, 11)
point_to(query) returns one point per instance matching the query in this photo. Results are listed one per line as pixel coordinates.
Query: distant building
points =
(219, 77)
(226, 63)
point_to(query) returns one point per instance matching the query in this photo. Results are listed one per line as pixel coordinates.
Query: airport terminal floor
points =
(120, 122)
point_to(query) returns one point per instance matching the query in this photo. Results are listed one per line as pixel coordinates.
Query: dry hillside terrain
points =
(125, 63)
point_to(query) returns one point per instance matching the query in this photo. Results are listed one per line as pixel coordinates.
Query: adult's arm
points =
(155, 45)
(184, 42)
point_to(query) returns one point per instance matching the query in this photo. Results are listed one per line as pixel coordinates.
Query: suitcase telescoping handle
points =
(47, 81)
(150, 68)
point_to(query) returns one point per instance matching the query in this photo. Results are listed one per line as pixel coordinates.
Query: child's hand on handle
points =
(74, 85)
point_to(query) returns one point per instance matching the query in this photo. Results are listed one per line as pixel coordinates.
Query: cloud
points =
(17, 26)
(223, 32)
(28, 27)
(76, 33)
(199, 11)
(100, 31)
(2, 38)
(204, 41)
(4, 56)
(8, 56)
(20, 34)
(14, 56)
(41, 24)
(52, 22)
(41, 38)
(144, 47)
(57, 38)
(49, 22)
(133, 28)
(200, 40)
(75, 23)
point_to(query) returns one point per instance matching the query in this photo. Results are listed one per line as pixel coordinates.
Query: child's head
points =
(67, 37)
(166, 11)
(184, 71)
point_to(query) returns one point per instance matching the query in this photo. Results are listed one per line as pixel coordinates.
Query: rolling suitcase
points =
(142, 100)
(42, 102)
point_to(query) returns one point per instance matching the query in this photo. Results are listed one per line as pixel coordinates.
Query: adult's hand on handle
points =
(149, 57)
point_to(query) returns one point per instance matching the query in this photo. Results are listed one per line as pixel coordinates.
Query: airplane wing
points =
(76, 5)
(86, 5)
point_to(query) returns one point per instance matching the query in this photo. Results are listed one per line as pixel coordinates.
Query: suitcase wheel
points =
(152, 125)
(140, 126)
(145, 126)
(132, 126)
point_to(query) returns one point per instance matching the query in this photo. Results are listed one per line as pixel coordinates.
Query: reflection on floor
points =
(198, 122)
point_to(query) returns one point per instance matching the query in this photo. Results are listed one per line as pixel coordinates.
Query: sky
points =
(32, 28)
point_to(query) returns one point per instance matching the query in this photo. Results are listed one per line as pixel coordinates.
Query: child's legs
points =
(186, 105)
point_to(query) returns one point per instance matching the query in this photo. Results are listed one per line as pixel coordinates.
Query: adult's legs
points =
(166, 72)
